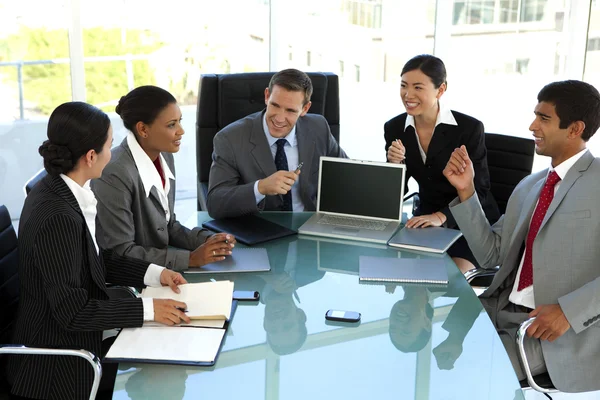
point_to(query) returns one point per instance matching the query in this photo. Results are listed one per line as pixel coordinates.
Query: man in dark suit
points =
(256, 159)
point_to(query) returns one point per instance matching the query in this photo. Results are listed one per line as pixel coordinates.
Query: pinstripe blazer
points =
(134, 224)
(63, 300)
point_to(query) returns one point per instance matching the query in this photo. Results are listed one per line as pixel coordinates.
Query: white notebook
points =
(205, 301)
(195, 346)
(240, 260)
(433, 239)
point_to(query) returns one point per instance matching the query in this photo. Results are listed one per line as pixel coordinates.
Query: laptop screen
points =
(361, 188)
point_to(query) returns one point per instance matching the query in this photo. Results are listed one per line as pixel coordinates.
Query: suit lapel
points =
(574, 173)
(306, 154)
(440, 139)
(96, 267)
(261, 151)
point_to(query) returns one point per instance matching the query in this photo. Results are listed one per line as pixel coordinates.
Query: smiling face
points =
(284, 107)
(550, 139)
(164, 133)
(418, 93)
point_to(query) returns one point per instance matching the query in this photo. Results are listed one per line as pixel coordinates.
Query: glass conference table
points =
(413, 342)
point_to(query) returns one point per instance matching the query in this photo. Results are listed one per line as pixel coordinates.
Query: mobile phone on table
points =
(246, 295)
(342, 316)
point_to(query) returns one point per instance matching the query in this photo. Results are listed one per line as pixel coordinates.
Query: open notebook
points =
(196, 344)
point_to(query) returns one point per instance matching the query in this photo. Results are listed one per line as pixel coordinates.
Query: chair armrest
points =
(202, 195)
(521, 334)
(86, 355)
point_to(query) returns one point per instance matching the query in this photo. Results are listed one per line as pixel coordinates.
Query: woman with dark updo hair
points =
(424, 137)
(63, 301)
(136, 193)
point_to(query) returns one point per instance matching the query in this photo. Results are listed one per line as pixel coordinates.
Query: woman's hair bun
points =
(119, 106)
(57, 158)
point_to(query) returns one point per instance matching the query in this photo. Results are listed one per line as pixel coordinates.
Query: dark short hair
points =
(74, 128)
(574, 101)
(143, 104)
(293, 80)
(430, 65)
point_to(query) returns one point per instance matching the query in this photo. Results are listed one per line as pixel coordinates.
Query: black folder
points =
(249, 229)
(181, 362)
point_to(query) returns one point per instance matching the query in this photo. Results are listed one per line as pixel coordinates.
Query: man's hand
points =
(550, 322)
(280, 182)
(424, 221)
(396, 152)
(460, 173)
(172, 279)
(447, 352)
(214, 249)
(170, 312)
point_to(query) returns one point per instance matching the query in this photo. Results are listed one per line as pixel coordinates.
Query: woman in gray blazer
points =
(136, 192)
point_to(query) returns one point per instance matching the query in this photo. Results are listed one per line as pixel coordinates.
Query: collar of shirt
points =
(444, 116)
(291, 137)
(148, 172)
(84, 195)
(564, 167)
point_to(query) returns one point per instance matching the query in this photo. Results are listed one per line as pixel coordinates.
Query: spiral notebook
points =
(403, 270)
(241, 260)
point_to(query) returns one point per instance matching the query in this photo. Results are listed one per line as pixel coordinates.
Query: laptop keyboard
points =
(353, 222)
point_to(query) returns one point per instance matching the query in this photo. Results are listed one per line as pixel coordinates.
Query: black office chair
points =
(29, 185)
(510, 159)
(225, 98)
(540, 383)
(9, 298)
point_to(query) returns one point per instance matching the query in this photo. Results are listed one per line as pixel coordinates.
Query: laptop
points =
(358, 200)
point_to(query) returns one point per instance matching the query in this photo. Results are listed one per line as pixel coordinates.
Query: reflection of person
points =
(62, 270)
(136, 193)
(157, 381)
(255, 158)
(424, 137)
(546, 243)
(411, 322)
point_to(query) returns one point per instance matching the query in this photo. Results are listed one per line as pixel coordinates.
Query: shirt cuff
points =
(152, 277)
(148, 305)
(257, 195)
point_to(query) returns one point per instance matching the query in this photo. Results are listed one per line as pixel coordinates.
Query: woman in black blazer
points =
(424, 137)
(63, 273)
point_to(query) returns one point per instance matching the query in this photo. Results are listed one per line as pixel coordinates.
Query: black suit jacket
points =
(63, 299)
(435, 192)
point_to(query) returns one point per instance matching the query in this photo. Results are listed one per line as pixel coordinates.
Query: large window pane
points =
(496, 70)
(366, 43)
(34, 79)
(592, 63)
(136, 42)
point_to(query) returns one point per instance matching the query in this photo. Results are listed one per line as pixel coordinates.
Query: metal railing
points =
(128, 58)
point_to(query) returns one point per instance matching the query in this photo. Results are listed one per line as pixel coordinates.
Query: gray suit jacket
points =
(135, 225)
(242, 156)
(566, 267)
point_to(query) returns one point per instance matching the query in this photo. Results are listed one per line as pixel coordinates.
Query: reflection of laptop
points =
(360, 200)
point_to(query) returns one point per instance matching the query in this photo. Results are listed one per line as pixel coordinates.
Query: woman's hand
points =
(396, 152)
(214, 249)
(424, 221)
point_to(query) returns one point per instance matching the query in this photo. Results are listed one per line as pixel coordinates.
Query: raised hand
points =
(460, 173)
(396, 152)
(280, 182)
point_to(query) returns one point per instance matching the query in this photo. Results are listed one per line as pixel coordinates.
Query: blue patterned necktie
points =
(282, 165)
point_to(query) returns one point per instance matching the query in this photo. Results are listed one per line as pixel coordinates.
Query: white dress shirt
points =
(87, 203)
(149, 174)
(291, 153)
(525, 297)
(444, 116)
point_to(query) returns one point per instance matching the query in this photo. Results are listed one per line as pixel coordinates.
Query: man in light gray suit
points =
(269, 161)
(547, 242)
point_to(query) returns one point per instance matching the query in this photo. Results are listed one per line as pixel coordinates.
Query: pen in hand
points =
(397, 141)
(298, 168)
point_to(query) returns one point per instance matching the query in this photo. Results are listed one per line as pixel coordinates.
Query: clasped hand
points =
(396, 152)
(280, 182)
(550, 322)
(216, 248)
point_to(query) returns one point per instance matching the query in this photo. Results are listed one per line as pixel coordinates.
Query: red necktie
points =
(526, 277)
